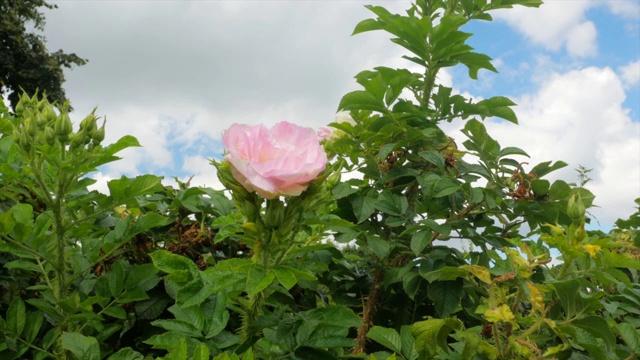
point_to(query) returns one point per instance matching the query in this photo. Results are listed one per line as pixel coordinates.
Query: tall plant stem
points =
(369, 311)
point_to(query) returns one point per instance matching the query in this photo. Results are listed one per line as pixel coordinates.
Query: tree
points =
(25, 62)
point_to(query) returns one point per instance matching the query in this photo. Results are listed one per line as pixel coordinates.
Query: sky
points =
(175, 74)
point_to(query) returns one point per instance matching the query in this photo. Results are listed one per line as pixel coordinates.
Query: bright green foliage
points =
(366, 268)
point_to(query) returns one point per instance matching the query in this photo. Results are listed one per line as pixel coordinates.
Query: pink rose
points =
(280, 161)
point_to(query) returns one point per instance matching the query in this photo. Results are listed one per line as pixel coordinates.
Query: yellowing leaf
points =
(500, 313)
(478, 271)
(591, 249)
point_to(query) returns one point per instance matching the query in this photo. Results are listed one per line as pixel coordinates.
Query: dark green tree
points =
(25, 62)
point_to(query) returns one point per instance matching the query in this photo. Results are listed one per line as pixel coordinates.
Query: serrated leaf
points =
(16, 317)
(388, 338)
(446, 296)
(32, 325)
(116, 312)
(598, 327)
(379, 246)
(420, 240)
(23, 265)
(285, 277)
(83, 347)
(363, 206)
(433, 333)
(630, 335)
(178, 326)
(126, 354)
(433, 157)
(169, 262)
(343, 190)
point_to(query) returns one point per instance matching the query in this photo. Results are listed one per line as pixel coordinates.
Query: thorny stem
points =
(369, 311)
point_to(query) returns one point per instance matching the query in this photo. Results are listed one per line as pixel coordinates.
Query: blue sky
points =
(175, 74)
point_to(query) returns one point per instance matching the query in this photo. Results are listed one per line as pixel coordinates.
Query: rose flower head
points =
(280, 161)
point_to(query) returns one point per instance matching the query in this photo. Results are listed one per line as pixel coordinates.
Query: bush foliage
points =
(368, 267)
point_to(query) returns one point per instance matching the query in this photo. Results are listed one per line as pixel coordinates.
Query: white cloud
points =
(578, 117)
(201, 171)
(629, 9)
(630, 73)
(556, 24)
(581, 40)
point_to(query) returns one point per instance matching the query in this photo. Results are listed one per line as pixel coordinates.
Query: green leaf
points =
(420, 240)
(151, 308)
(262, 284)
(361, 100)
(509, 150)
(32, 325)
(23, 214)
(445, 273)
(474, 62)
(385, 150)
(431, 334)
(220, 316)
(16, 317)
(115, 278)
(433, 157)
(23, 265)
(343, 190)
(143, 277)
(388, 338)
(408, 343)
(598, 327)
(132, 295)
(367, 25)
(201, 352)
(126, 354)
(544, 168)
(363, 206)
(179, 352)
(116, 312)
(630, 335)
(148, 221)
(169, 262)
(379, 246)
(312, 353)
(285, 277)
(446, 296)
(392, 204)
(572, 300)
(83, 347)
(178, 326)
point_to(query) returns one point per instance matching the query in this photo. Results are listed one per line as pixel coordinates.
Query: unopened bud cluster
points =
(39, 124)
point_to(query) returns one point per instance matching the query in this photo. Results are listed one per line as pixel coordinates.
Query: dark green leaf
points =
(16, 317)
(446, 296)
(126, 354)
(363, 206)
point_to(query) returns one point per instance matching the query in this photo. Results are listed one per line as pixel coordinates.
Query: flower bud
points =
(98, 134)
(25, 141)
(275, 213)
(50, 136)
(41, 120)
(49, 114)
(575, 207)
(89, 123)
(63, 124)
(333, 180)
(30, 127)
